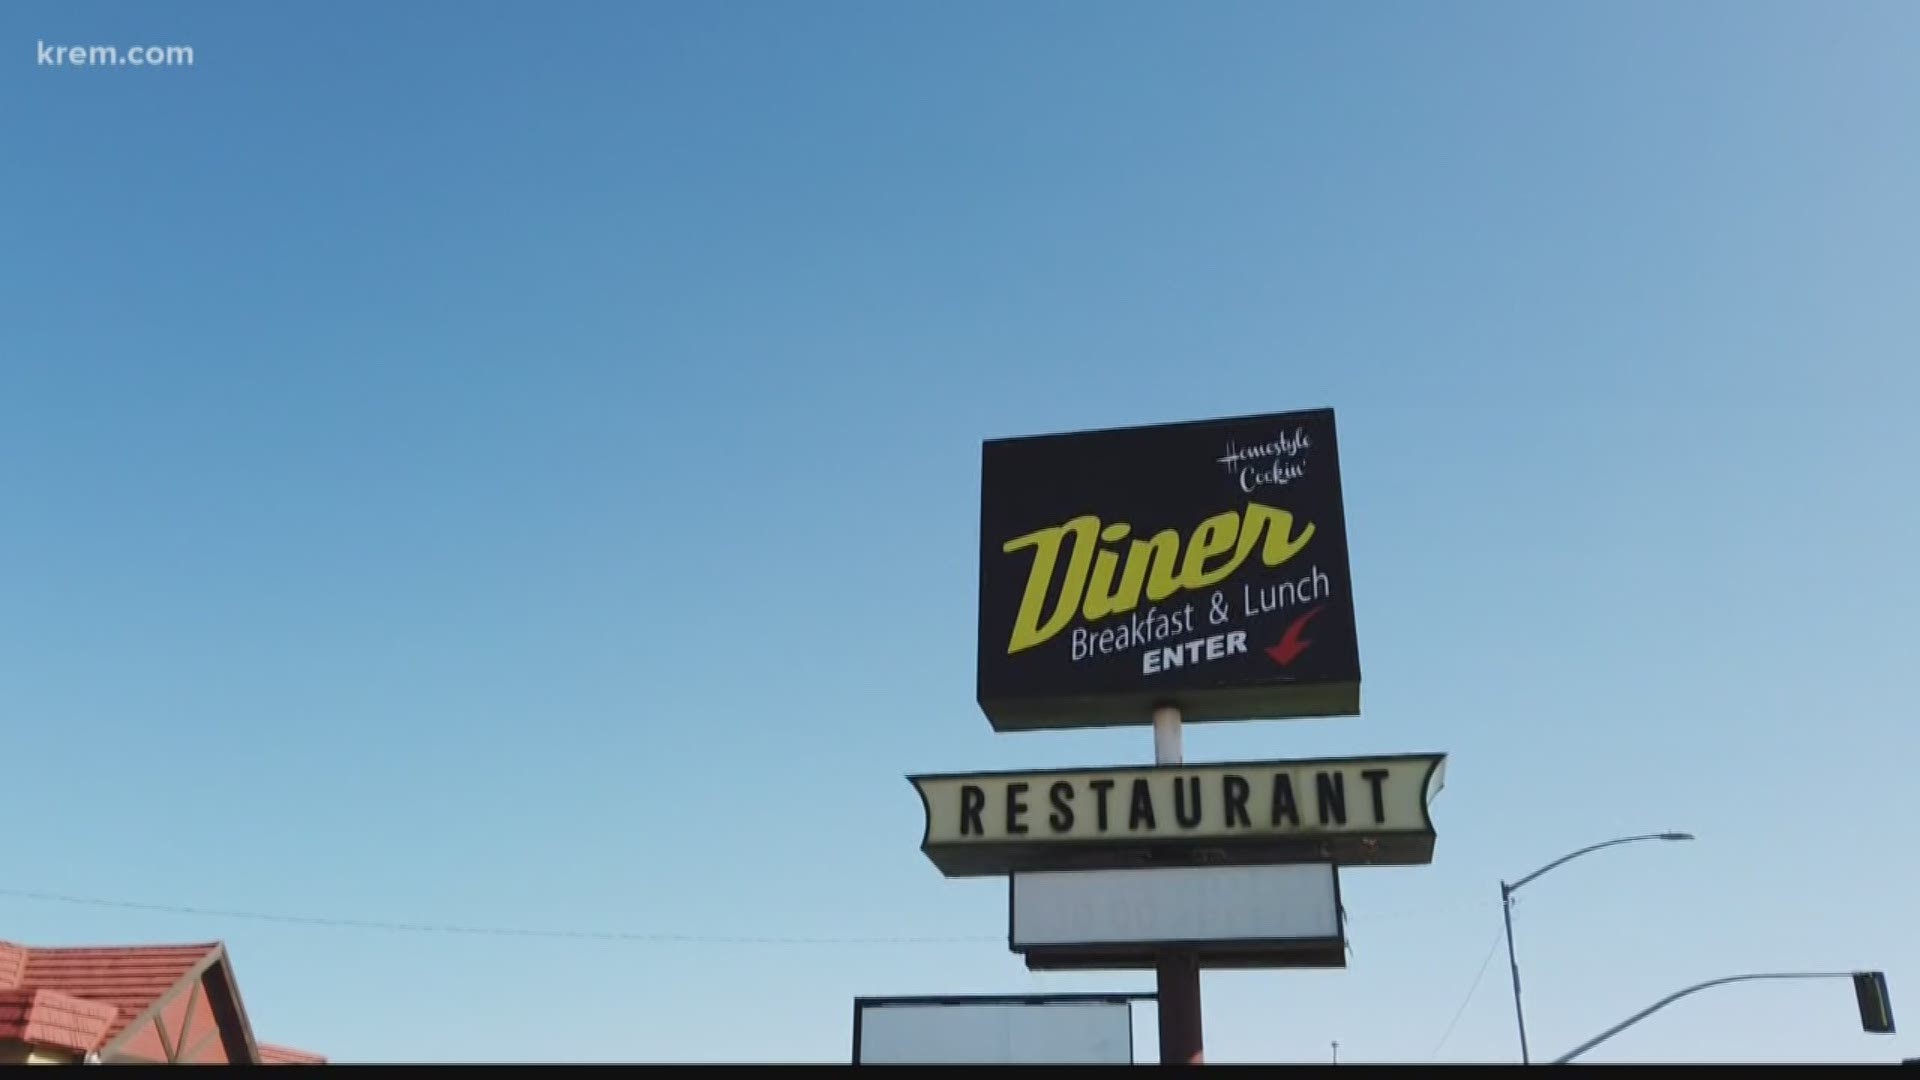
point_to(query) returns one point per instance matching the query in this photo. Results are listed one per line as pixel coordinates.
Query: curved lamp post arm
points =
(1676, 996)
(1569, 857)
(1506, 909)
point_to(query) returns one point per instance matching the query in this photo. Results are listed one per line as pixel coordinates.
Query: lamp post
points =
(1506, 905)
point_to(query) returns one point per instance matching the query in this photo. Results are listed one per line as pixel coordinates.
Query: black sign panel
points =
(1199, 564)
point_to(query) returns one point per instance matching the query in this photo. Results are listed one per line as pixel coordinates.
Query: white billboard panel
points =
(1256, 916)
(1061, 1029)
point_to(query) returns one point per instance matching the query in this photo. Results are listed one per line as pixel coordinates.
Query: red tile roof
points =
(51, 1018)
(13, 964)
(287, 1055)
(131, 978)
(83, 998)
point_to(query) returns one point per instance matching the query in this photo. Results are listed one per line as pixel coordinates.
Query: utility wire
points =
(1461, 1011)
(524, 932)
(489, 931)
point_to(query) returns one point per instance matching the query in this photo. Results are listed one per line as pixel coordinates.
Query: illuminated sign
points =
(1354, 812)
(1202, 564)
(993, 1029)
(1285, 916)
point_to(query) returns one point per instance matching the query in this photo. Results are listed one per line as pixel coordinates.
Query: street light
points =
(1506, 904)
(1870, 987)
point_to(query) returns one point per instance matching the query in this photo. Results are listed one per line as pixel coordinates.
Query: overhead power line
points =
(1461, 1011)
(635, 937)
(491, 931)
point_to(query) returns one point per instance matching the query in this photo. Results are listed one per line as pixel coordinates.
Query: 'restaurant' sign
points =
(1201, 564)
(1357, 812)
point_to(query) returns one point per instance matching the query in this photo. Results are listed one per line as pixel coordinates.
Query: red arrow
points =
(1291, 646)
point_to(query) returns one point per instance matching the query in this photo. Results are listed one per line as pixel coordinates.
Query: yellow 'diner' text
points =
(1100, 583)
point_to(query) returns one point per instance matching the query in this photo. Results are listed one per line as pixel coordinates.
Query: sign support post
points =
(1177, 971)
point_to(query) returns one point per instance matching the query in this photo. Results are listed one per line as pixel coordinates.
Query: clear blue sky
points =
(516, 465)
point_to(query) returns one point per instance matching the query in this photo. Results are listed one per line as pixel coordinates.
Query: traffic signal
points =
(1876, 1009)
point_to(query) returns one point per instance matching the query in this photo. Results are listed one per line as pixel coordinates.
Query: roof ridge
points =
(181, 946)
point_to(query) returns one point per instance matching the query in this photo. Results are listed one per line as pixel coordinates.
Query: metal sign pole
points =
(1177, 970)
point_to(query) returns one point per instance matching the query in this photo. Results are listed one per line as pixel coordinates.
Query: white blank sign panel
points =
(1169, 904)
(997, 1033)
